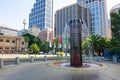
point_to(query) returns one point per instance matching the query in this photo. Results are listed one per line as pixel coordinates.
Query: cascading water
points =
(86, 34)
(72, 39)
(66, 37)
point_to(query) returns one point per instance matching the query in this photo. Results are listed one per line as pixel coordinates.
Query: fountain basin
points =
(86, 65)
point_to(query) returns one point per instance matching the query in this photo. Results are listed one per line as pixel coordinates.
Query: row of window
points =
(13, 41)
(39, 13)
(8, 41)
(1, 48)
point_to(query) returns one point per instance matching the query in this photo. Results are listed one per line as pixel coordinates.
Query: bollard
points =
(57, 57)
(32, 59)
(115, 59)
(17, 60)
(45, 58)
(1, 63)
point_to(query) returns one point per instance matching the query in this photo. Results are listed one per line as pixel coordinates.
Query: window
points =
(13, 41)
(1, 40)
(1, 48)
(7, 40)
(12, 48)
(6, 47)
(23, 43)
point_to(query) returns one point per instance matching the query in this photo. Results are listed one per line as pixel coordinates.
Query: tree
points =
(56, 42)
(98, 43)
(102, 44)
(45, 46)
(94, 42)
(26, 41)
(114, 44)
(33, 40)
(34, 49)
(115, 22)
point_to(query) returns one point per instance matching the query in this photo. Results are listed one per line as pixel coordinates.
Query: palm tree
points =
(26, 41)
(56, 42)
(94, 42)
(35, 39)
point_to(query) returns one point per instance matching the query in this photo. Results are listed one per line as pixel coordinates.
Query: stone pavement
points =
(43, 71)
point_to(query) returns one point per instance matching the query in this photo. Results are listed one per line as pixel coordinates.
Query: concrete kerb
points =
(53, 64)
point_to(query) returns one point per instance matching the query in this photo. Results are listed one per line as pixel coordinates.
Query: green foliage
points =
(34, 48)
(115, 21)
(45, 46)
(85, 46)
(114, 44)
(26, 53)
(32, 40)
(26, 39)
(96, 43)
(56, 42)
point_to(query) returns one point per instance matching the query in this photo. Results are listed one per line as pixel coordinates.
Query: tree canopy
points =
(115, 22)
(32, 40)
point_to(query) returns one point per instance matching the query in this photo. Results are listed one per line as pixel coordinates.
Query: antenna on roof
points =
(24, 23)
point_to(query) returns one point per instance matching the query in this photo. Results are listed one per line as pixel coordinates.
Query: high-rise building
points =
(74, 11)
(99, 16)
(42, 14)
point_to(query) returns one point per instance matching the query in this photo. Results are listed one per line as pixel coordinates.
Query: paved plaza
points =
(43, 71)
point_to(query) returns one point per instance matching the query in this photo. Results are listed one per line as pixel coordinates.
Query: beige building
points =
(34, 31)
(4, 30)
(10, 44)
(115, 8)
(46, 35)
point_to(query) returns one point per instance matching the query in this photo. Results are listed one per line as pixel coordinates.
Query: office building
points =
(99, 16)
(42, 14)
(74, 11)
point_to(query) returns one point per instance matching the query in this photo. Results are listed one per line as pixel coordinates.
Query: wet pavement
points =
(43, 71)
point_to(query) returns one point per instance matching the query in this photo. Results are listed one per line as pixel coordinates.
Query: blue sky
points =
(12, 12)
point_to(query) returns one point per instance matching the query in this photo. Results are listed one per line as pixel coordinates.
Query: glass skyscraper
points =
(42, 14)
(99, 16)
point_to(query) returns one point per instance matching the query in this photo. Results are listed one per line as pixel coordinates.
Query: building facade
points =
(99, 19)
(22, 32)
(34, 31)
(46, 35)
(74, 11)
(11, 44)
(42, 14)
(4, 30)
(115, 8)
